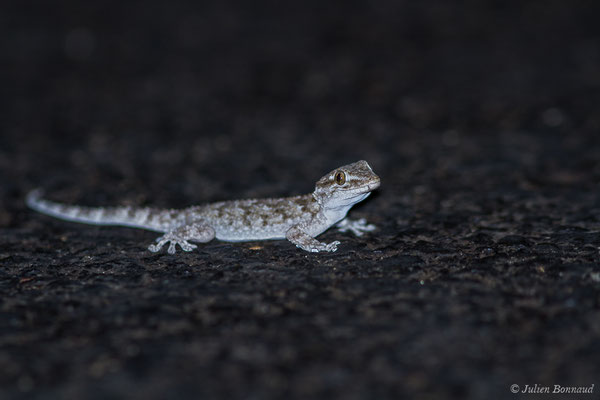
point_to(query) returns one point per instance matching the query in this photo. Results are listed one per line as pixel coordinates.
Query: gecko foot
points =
(357, 227)
(173, 240)
(317, 247)
(308, 243)
(331, 247)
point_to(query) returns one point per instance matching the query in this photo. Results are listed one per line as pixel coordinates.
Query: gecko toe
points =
(186, 246)
(171, 249)
(154, 248)
(332, 246)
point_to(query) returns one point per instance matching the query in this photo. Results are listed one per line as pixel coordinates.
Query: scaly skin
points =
(299, 219)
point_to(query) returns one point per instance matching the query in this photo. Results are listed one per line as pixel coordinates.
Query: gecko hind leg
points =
(181, 236)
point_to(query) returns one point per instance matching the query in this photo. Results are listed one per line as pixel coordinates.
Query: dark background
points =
(481, 117)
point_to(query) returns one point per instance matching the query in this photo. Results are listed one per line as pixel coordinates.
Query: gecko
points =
(298, 219)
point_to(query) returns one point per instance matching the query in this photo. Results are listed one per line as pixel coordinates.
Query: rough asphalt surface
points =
(481, 117)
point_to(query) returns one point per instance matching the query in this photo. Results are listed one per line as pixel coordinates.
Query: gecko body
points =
(299, 219)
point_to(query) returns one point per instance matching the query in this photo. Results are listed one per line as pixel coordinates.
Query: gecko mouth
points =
(365, 190)
(370, 187)
(361, 192)
(374, 185)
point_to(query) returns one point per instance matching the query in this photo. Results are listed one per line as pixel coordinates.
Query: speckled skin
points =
(299, 219)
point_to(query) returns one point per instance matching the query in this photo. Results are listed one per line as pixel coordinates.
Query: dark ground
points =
(481, 117)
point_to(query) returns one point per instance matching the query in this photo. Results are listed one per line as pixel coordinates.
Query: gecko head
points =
(346, 185)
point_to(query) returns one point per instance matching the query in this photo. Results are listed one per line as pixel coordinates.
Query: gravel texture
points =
(482, 119)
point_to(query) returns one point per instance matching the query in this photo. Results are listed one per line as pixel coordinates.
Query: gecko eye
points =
(340, 178)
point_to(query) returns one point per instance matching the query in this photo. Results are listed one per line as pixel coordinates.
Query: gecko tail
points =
(90, 215)
(145, 218)
(33, 197)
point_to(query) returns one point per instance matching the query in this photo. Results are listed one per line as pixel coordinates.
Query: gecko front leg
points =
(180, 236)
(357, 227)
(306, 242)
